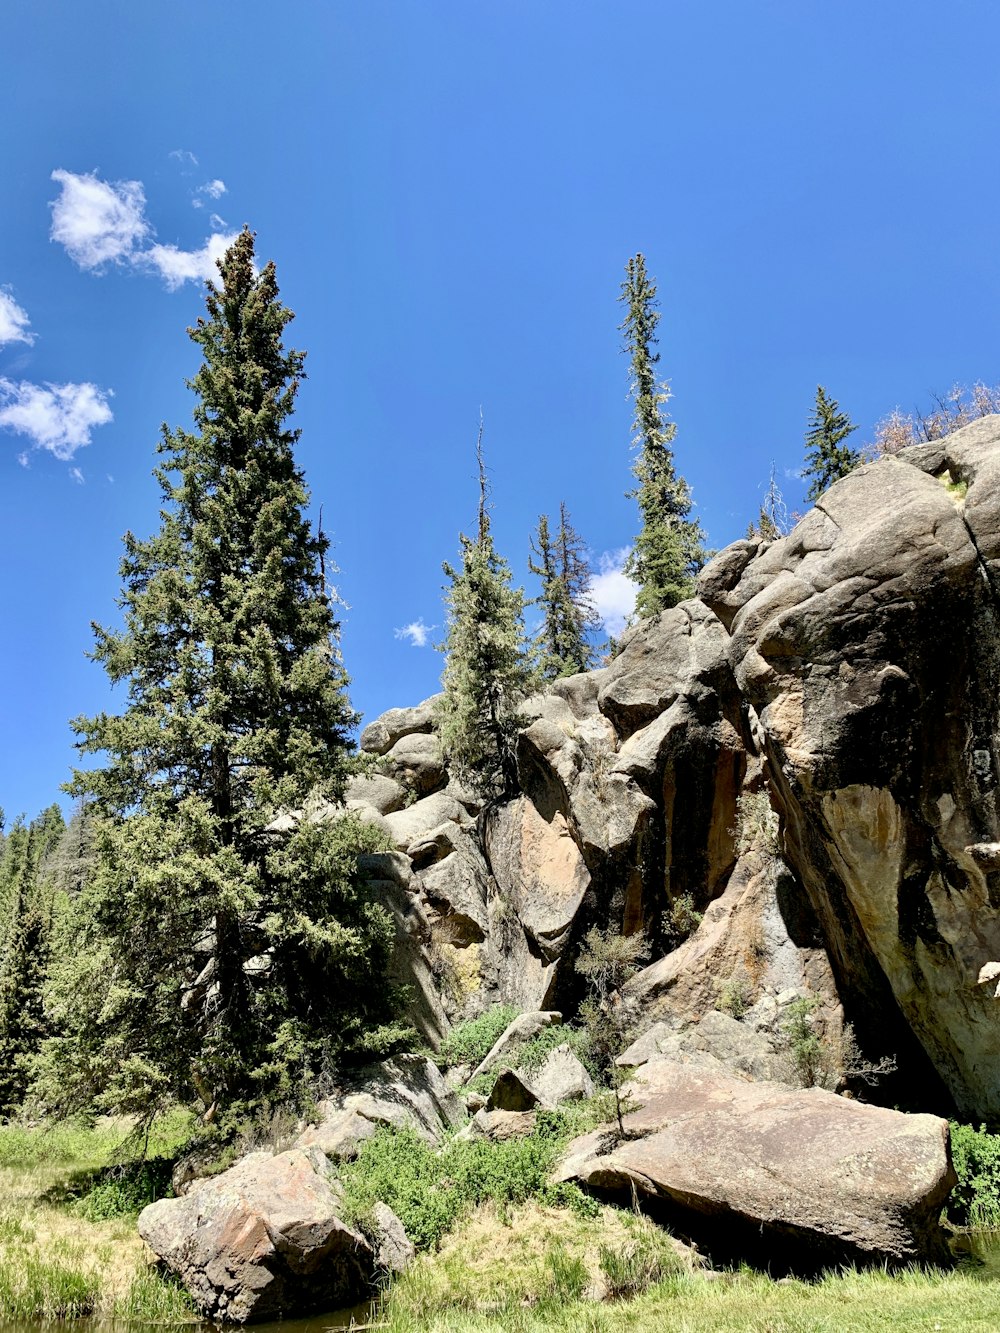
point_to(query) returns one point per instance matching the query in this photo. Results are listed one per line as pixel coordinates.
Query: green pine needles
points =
(562, 645)
(828, 458)
(669, 550)
(486, 673)
(216, 958)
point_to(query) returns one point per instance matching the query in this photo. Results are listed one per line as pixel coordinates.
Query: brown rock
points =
(261, 1241)
(800, 1179)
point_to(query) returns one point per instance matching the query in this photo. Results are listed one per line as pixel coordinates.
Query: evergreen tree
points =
(828, 458)
(561, 646)
(486, 675)
(668, 551)
(215, 955)
(24, 954)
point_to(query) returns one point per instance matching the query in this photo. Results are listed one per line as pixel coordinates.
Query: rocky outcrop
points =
(262, 1240)
(847, 676)
(406, 1092)
(799, 1179)
(866, 642)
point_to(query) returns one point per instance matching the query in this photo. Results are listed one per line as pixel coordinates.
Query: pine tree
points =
(215, 955)
(24, 954)
(486, 675)
(668, 551)
(828, 458)
(561, 646)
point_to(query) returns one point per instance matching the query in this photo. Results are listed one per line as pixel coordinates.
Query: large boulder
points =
(262, 1240)
(416, 761)
(382, 734)
(867, 644)
(799, 1179)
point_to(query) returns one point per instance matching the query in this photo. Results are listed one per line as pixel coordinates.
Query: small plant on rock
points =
(607, 960)
(735, 995)
(756, 829)
(680, 920)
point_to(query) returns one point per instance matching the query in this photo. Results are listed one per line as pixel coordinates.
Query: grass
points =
(68, 1242)
(470, 1042)
(479, 1284)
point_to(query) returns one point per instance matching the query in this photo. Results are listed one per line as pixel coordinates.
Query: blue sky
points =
(450, 190)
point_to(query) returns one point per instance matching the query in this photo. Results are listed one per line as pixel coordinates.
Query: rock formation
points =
(844, 677)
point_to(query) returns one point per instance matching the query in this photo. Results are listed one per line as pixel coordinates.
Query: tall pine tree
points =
(668, 551)
(486, 674)
(562, 646)
(25, 872)
(218, 958)
(828, 458)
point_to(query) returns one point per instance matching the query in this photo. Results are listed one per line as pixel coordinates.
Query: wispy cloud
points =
(416, 632)
(182, 156)
(176, 266)
(56, 417)
(101, 222)
(13, 321)
(98, 222)
(613, 593)
(76, 475)
(213, 189)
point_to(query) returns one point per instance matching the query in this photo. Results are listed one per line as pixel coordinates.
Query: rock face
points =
(407, 1092)
(804, 1179)
(847, 676)
(261, 1241)
(867, 644)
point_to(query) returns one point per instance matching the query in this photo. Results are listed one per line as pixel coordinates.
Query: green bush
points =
(975, 1200)
(430, 1191)
(467, 1043)
(125, 1189)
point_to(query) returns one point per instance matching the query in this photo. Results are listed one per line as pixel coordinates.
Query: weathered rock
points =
(512, 1092)
(499, 1126)
(760, 935)
(417, 762)
(541, 881)
(394, 1251)
(456, 890)
(386, 730)
(802, 1178)
(390, 880)
(375, 791)
(261, 1241)
(867, 642)
(561, 1078)
(717, 1041)
(682, 651)
(406, 1092)
(338, 1135)
(516, 1033)
(409, 827)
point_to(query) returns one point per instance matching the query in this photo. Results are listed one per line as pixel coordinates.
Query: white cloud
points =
(217, 223)
(417, 632)
(56, 417)
(76, 475)
(13, 321)
(176, 266)
(184, 157)
(98, 222)
(214, 189)
(613, 593)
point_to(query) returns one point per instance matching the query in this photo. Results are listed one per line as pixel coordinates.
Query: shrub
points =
(735, 995)
(804, 1045)
(429, 1191)
(468, 1043)
(125, 1189)
(975, 1200)
(680, 920)
(756, 828)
